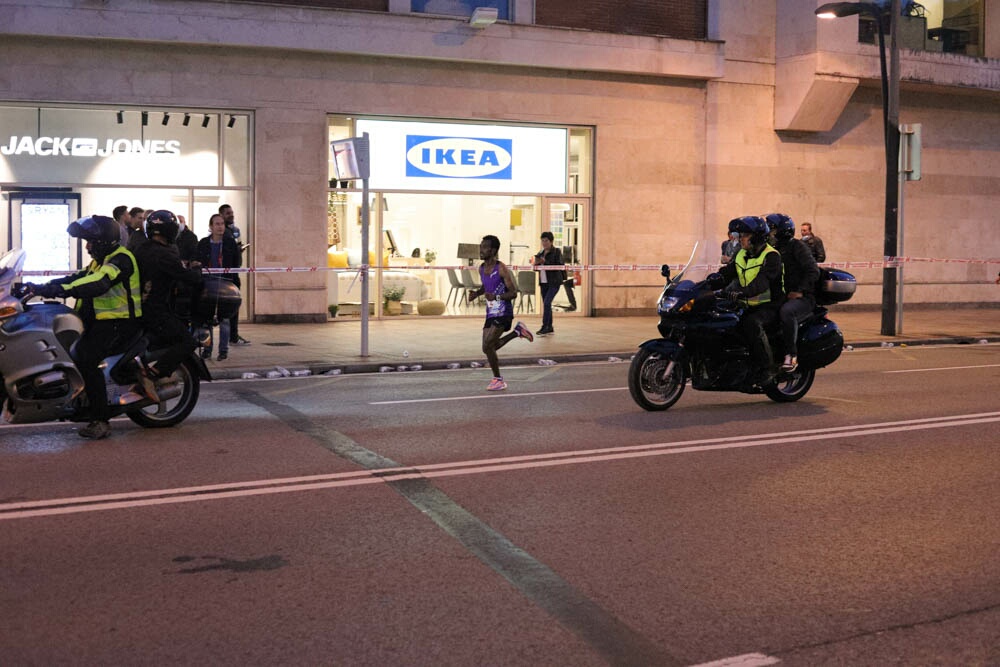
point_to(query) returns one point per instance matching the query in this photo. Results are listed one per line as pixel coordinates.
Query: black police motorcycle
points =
(700, 340)
(39, 380)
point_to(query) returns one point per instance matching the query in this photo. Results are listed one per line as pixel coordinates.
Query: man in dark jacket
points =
(161, 270)
(219, 251)
(801, 274)
(814, 243)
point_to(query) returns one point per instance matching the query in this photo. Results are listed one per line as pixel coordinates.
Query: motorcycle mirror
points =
(665, 271)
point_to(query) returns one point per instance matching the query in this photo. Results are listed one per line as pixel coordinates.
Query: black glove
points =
(714, 281)
(47, 290)
(733, 294)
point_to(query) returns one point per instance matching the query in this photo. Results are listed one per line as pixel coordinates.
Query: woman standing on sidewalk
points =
(551, 280)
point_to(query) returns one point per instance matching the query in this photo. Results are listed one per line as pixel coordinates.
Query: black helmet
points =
(750, 224)
(101, 231)
(781, 226)
(95, 228)
(163, 223)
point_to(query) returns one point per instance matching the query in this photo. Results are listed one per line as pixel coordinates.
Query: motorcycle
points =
(39, 380)
(701, 343)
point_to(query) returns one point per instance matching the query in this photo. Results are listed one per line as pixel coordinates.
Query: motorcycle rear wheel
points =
(792, 387)
(647, 385)
(171, 411)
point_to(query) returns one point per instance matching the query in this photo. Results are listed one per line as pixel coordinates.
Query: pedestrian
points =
(136, 220)
(233, 231)
(997, 281)
(730, 247)
(218, 251)
(550, 280)
(814, 243)
(187, 242)
(498, 288)
(121, 216)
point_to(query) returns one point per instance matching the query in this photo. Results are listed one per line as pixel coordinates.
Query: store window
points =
(460, 7)
(58, 163)
(436, 189)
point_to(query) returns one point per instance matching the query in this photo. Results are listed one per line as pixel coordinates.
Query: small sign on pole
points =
(909, 153)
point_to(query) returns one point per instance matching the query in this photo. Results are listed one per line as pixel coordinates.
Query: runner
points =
(498, 287)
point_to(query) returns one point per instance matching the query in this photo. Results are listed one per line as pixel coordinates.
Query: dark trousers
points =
(754, 325)
(234, 329)
(549, 291)
(101, 339)
(166, 330)
(793, 313)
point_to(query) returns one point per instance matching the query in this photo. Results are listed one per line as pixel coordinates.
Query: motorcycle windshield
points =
(702, 260)
(10, 268)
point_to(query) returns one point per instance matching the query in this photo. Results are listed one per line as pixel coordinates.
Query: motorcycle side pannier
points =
(820, 344)
(834, 286)
(218, 298)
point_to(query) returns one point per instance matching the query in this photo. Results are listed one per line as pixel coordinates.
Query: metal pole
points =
(890, 105)
(903, 163)
(364, 267)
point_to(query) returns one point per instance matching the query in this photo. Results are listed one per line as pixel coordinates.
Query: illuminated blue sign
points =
(459, 157)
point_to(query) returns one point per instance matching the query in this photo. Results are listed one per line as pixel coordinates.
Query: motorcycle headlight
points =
(667, 304)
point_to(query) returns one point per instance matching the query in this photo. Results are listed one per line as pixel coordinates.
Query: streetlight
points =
(890, 120)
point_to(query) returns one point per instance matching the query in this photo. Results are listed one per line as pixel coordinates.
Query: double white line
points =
(57, 506)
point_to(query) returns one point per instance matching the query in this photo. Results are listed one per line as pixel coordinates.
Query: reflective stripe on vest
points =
(120, 302)
(747, 269)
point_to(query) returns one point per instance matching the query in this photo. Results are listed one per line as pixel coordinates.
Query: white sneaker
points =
(789, 364)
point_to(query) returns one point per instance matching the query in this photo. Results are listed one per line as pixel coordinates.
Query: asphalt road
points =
(413, 519)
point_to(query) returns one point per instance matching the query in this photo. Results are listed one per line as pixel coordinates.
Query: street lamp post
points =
(890, 119)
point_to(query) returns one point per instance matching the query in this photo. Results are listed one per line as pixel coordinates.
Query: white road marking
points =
(745, 660)
(57, 506)
(944, 368)
(479, 397)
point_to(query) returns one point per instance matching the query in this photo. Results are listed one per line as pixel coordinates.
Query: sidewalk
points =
(434, 343)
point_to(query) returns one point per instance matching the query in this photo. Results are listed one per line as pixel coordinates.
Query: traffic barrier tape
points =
(887, 262)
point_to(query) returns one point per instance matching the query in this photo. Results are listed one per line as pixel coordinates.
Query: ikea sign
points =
(453, 157)
(458, 157)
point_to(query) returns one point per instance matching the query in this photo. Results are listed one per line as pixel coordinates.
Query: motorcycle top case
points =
(834, 286)
(820, 344)
(219, 297)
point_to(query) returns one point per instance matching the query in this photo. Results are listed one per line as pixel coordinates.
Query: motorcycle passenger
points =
(108, 302)
(754, 277)
(801, 274)
(161, 269)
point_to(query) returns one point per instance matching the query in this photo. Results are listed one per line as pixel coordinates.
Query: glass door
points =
(569, 221)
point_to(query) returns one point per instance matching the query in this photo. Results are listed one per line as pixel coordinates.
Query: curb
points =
(355, 368)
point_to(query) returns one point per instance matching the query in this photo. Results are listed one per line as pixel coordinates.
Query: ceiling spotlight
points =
(204, 121)
(145, 118)
(121, 117)
(166, 118)
(483, 16)
(187, 119)
(232, 121)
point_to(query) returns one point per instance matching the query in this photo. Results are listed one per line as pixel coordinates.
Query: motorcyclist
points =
(754, 277)
(801, 274)
(161, 269)
(108, 302)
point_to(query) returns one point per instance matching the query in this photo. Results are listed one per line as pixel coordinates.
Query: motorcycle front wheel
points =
(791, 387)
(179, 394)
(649, 383)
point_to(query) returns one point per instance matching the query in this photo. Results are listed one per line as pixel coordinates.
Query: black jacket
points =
(232, 257)
(801, 272)
(160, 270)
(553, 258)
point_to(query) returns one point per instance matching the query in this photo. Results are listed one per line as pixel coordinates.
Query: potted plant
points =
(393, 294)
(430, 256)
(333, 308)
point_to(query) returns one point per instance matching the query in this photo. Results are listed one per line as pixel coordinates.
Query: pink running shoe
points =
(523, 332)
(497, 384)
